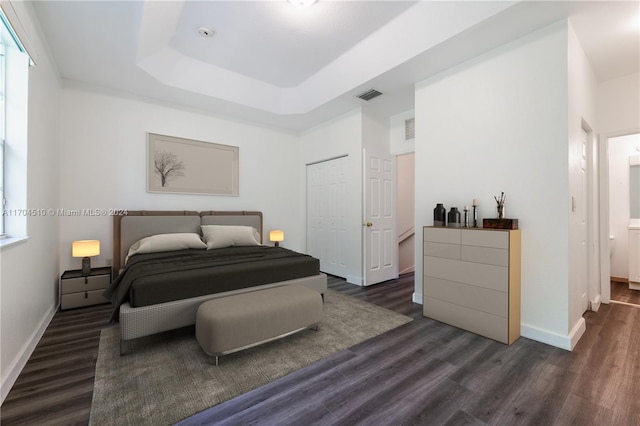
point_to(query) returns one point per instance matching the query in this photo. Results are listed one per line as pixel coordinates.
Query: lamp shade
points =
(85, 248)
(276, 235)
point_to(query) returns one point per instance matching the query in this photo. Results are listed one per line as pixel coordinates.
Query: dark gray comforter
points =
(154, 278)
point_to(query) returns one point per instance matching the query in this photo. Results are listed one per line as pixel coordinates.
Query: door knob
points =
(368, 224)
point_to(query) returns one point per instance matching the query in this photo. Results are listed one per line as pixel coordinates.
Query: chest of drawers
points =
(472, 280)
(77, 290)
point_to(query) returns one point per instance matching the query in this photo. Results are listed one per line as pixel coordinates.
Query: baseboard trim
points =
(355, 280)
(625, 303)
(620, 279)
(417, 298)
(567, 342)
(577, 332)
(407, 270)
(27, 349)
(594, 305)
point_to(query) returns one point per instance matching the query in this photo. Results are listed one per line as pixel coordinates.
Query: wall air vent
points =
(409, 129)
(369, 94)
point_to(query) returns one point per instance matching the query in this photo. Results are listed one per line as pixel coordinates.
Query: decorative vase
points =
(439, 215)
(500, 212)
(453, 218)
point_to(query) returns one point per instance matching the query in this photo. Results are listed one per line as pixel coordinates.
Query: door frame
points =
(587, 204)
(605, 261)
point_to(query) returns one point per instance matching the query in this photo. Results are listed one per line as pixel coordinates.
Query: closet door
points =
(326, 224)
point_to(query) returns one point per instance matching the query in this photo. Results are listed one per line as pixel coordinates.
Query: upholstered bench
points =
(241, 321)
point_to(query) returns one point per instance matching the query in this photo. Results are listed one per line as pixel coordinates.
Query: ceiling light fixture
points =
(302, 3)
(206, 32)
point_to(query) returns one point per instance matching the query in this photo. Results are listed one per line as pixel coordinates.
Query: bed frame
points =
(148, 320)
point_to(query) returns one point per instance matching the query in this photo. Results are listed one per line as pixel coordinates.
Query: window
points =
(2, 199)
(2, 123)
(14, 78)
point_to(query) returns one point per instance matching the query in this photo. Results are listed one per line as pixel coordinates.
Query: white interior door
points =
(379, 224)
(326, 223)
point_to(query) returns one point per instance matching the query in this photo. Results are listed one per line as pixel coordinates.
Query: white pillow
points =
(166, 242)
(219, 236)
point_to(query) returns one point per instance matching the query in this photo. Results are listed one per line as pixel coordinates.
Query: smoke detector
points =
(206, 32)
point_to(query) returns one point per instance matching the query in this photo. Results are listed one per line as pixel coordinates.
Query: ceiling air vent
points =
(409, 129)
(369, 94)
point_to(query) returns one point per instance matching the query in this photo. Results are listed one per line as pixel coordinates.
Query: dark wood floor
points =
(56, 385)
(426, 372)
(620, 292)
(423, 372)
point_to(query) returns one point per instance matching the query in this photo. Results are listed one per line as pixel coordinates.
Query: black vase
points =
(439, 215)
(453, 218)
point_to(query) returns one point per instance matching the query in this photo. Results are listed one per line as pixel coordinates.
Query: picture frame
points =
(187, 166)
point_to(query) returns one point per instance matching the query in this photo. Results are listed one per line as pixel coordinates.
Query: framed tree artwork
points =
(187, 166)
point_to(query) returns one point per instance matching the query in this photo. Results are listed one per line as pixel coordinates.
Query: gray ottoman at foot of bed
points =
(237, 322)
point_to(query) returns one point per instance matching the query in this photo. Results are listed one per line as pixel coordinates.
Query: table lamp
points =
(276, 236)
(85, 249)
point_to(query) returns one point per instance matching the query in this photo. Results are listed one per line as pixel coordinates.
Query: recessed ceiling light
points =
(302, 3)
(206, 32)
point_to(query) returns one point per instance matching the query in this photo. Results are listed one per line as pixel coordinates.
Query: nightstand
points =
(77, 290)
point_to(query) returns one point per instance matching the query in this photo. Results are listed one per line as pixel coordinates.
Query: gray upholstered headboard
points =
(129, 228)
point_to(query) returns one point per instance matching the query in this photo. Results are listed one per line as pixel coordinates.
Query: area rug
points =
(167, 377)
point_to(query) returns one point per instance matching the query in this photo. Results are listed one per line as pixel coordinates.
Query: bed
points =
(189, 270)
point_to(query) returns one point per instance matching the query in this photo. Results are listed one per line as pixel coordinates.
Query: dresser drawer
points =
(442, 235)
(476, 237)
(482, 323)
(75, 285)
(84, 298)
(490, 256)
(449, 251)
(478, 274)
(481, 299)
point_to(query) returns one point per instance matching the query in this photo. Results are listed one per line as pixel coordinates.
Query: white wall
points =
(29, 270)
(620, 149)
(338, 137)
(406, 211)
(499, 123)
(103, 165)
(619, 106)
(406, 192)
(582, 91)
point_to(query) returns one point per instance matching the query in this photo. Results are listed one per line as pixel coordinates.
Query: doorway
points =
(405, 201)
(621, 150)
(326, 218)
